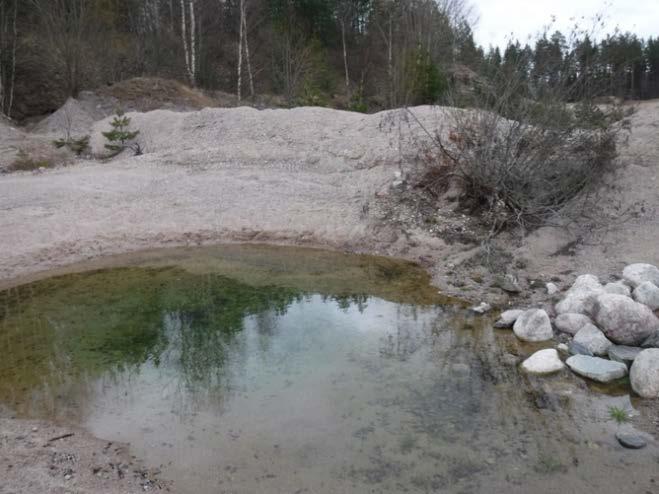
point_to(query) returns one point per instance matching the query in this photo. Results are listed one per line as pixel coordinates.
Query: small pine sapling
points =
(120, 136)
(78, 146)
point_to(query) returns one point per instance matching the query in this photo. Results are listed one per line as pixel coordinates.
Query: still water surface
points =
(260, 369)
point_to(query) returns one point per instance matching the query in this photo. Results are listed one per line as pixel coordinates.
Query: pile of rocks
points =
(612, 329)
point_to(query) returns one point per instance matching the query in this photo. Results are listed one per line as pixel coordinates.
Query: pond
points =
(243, 369)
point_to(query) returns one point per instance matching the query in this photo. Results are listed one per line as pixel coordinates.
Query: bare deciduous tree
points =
(67, 24)
(8, 41)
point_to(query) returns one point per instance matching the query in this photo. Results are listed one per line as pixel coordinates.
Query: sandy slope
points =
(301, 176)
(307, 176)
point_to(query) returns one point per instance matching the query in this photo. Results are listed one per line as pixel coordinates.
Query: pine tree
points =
(120, 136)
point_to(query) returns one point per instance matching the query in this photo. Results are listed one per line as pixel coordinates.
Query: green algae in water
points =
(254, 369)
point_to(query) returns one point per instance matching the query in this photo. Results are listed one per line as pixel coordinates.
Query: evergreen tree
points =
(120, 136)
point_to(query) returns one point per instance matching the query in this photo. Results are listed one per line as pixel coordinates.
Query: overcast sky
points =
(498, 18)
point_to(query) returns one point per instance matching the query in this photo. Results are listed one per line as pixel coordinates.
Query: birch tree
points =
(189, 38)
(243, 50)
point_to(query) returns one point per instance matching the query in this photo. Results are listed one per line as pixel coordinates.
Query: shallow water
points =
(259, 369)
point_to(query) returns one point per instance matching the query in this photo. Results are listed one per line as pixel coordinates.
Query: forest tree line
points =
(364, 55)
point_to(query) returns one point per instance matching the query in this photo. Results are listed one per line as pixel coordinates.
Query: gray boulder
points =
(593, 339)
(580, 298)
(631, 441)
(533, 325)
(543, 362)
(644, 374)
(652, 341)
(624, 354)
(575, 348)
(635, 274)
(507, 319)
(618, 288)
(596, 368)
(571, 323)
(623, 320)
(647, 293)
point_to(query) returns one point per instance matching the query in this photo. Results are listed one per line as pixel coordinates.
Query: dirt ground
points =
(307, 176)
(39, 457)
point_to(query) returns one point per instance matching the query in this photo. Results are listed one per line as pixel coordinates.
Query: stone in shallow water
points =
(593, 339)
(630, 440)
(597, 369)
(575, 348)
(623, 353)
(507, 319)
(543, 362)
(481, 308)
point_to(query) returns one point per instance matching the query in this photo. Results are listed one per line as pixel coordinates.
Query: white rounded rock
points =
(508, 318)
(635, 274)
(647, 293)
(552, 288)
(644, 374)
(623, 320)
(580, 298)
(533, 325)
(543, 362)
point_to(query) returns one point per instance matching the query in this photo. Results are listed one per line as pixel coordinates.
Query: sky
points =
(498, 18)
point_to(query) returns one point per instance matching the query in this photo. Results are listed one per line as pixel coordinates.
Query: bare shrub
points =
(522, 170)
(531, 152)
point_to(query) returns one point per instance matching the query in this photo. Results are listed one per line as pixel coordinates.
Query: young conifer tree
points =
(120, 136)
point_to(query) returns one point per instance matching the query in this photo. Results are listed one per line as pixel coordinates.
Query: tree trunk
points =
(345, 54)
(249, 63)
(13, 62)
(193, 45)
(184, 36)
(171, 15)
(189, 49)
(390, 62)
(240, 52)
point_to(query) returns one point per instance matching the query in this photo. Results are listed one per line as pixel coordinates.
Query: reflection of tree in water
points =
(115, 321)
(203, 322)
(345, 301)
